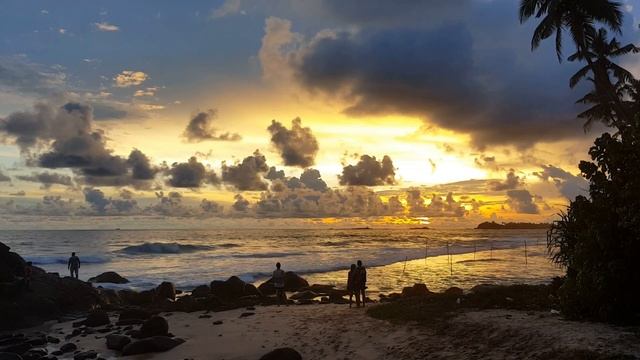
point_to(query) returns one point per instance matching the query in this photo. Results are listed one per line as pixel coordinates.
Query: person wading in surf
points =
(73, 265)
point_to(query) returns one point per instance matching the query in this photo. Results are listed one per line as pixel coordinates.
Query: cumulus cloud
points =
(435, 207)
(568, 184)
(409, 70)
(248, 174)
(129, 78)
(4, 178)
(511, 182)
(141, 168)
(297, 146)
(190, 174)
(241, 204)
(521, 201)
(105, 26)
(101, 204)
(228, 7)
(70, 141)
(369, 172)
(210, 207)
(200, 128)
(47, 179)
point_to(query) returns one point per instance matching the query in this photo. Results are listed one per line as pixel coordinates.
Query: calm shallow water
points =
(394, 258)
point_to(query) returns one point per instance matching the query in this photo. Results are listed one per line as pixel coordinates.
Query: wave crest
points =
(164, 248)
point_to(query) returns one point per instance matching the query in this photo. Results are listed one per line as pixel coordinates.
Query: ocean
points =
(394, 257)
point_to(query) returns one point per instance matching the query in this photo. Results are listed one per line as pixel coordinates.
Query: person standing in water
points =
(352, 286)
(278, 284)
(361, 272)
(73, 265)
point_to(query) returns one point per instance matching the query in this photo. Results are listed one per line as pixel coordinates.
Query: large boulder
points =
(110, 277)
(117, 342)
(285, 353)
(95, 318)
(415, 290)
(155, 326)
(233, 288)
(49, 298)
(201, 291)
(131, 297)
(166, 290)
(151, 345)
(304, 295)
(292, 282)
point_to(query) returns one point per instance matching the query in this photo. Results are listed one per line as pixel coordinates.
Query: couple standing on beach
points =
(357, 283)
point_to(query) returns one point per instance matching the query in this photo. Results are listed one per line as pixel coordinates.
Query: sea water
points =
(394, 258)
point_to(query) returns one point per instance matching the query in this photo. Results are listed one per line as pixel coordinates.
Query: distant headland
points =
(512, 225)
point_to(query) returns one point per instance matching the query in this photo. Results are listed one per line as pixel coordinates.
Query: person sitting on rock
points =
(73, 265)
(362, 281)
(278, 284)
(28, 272)
(352, 286)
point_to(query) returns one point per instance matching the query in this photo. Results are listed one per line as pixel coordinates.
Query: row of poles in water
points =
(450, 254)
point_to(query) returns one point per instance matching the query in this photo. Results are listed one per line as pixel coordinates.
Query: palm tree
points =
(579, 17)
(598, 55)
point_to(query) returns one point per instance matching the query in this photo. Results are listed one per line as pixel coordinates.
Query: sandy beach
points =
(339, 332)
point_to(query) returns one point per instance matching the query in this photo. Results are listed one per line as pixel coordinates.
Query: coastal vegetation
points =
(597, 240)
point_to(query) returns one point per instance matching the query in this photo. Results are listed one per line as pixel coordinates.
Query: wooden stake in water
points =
(405, 264)
(426, 250)
(450, 259)
(525, 252)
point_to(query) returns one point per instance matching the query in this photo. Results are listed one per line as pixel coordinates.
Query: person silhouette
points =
(362, 282)
(278, 284)
(73, 265)
(352, 287)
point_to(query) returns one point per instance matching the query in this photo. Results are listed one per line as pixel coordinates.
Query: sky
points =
(285, 113)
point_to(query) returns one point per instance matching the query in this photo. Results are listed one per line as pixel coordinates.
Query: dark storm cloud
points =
(3, 177)
(101, 204)
(475, 76)
(521, 201)
(210, 207)
(200, 128)
(274, 174)
(248, 174)
(568, 184)
(297, 146)
(511, 182)
(70, 141)
(47, 179)
(369, 172)
(190, 174)
(312, 179)
(240, 204)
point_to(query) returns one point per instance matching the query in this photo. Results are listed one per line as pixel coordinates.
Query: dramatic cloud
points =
(19, 193)
(568, 184)
(129, 78)
(436, 207)
(72, 142)
(511, 182)
(521, 201)
(248, 174)
(169, 205)
(4, 178)
(105, 26)
(447, 75)
(47, 179)
(210, 207)
(240, 204)
(369, 172)
(101, 204)
(191, 174)
(298, 146)
(311, 179)
(200, 128)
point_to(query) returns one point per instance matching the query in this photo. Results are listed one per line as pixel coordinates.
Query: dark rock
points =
(57, 353)
(204, 316)
(16, 348)
(34, 354)
(91, 354)
(38, 341)
(217, 322)
(53, 340)
(139, 314)
(304, 295)
(96, 318)
(282, 354)
(155, 326)
(129, 322)
(292, 282)
(166, 290)
(117, 342)
(7, 355)
(150, 345)
(110, 277)
(131, 297)
(306, 302)
(11, 339)
(415, 290)
(247, 314)
(201, 291)
(68, 347)
(454, 291)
